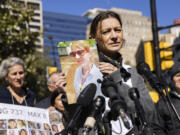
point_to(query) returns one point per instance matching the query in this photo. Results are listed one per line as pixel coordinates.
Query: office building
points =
(176, 31)
(37, 21)
(60, 27)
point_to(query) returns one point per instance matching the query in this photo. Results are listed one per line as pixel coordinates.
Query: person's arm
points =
(145, 98)
(61, 81)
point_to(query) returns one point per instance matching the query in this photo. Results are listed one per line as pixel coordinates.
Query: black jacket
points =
(6, 97)
(168, 120)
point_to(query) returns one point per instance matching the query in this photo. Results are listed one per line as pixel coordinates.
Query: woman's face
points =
(80, 55)
(58, 103)
(176, 80)
(23, 132)
(1, 123)
(15, 76)
(20, 123)
(33, 132)
(109, 36)
(55, 128)
(12, 124)
(11, 132)
(46, 126)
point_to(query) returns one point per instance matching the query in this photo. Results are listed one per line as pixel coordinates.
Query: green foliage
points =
(91, 42)
(64, 44)
(36, 74)
(16, 39)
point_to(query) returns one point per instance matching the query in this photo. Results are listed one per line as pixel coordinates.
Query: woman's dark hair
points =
(22, 131)
(101, 16)
(55, 94)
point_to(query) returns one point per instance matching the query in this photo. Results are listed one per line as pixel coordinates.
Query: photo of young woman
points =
(12, 124)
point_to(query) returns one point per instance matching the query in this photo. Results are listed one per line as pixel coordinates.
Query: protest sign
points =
(23, 120)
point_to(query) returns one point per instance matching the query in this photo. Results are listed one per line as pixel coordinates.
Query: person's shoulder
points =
(5, 96)
(44, 103)
(161, 103)
(47, 99)
(30, 93)
(3, 90)
(129, 68)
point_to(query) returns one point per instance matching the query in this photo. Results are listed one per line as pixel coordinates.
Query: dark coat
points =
(169, 125)
(6, 97)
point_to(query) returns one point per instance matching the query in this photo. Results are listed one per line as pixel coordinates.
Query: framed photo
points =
(79, 61)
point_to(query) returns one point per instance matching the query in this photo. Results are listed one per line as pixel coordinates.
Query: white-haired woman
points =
(12, 71)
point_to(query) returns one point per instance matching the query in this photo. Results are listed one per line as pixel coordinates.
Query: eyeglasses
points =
(78, 52)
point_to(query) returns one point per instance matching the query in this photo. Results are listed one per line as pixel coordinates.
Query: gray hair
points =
(49, 77)
(7, 63)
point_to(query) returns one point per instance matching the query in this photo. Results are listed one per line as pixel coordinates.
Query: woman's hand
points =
(61, 82)
(107, 68)
(51, 108)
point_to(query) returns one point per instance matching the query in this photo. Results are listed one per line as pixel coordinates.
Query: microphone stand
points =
(100, 127)
(107, 124)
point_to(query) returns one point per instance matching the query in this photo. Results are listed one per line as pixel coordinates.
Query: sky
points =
(167, 10)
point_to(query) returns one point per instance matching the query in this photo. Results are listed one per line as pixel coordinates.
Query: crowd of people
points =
(107, 29)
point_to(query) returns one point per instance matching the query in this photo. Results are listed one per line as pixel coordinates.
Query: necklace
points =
(17, 101)
(84, 77)
(83, 80)
(23, 98)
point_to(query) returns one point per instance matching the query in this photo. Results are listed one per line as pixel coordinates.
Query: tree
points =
(16, 39)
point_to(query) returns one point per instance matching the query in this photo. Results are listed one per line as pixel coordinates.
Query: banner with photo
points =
(79, 61)
(22, 120)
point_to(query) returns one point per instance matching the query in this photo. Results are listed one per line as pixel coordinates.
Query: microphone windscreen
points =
(87, 94)
(143, 68)
(133, 93)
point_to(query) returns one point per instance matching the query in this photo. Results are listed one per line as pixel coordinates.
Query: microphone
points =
(134, 95)
(87, 95)
(143, 69)
(84, 99)
(98, 109)
(117, 104)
